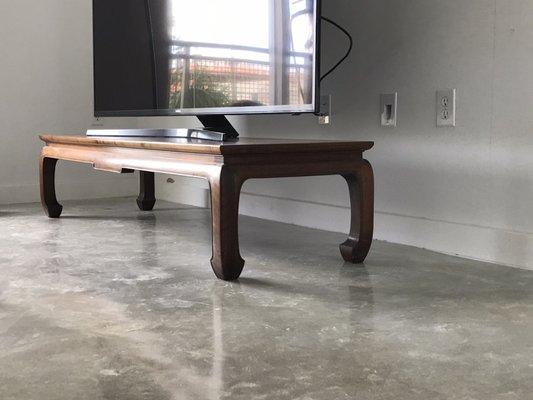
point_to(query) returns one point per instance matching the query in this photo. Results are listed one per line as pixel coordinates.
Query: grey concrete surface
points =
(112, 303)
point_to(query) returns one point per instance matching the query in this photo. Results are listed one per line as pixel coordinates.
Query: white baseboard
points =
(474, 242)
(87, 188)
(480, 243)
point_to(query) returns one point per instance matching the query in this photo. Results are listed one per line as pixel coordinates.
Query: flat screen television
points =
(206, 58)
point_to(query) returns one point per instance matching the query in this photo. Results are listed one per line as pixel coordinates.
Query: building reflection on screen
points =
(241, 53)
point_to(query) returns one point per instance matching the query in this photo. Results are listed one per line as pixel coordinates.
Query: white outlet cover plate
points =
(446, 107)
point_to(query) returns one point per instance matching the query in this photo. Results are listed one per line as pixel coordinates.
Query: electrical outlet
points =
(446, 107)
(324, 116)
(389, 110)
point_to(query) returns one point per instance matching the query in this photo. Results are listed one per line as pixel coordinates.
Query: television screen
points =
(194, 57)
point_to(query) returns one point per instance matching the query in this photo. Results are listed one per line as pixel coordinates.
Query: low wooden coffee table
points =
(226, 166)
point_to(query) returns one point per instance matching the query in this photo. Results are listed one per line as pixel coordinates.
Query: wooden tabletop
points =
(242, 146)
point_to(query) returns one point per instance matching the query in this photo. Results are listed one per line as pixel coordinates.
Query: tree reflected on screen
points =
(201, 91)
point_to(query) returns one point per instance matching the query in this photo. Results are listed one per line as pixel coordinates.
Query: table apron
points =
(121, 160)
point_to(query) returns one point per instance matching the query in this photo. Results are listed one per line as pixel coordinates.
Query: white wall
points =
(46, 86)
(467, 190)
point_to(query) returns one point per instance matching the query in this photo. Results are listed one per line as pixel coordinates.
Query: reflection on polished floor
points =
(113, 303)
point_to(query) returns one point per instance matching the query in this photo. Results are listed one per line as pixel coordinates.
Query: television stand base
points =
(200, 134)
(216, 128)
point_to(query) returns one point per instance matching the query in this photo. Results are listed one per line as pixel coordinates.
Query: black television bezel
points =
(221, 110)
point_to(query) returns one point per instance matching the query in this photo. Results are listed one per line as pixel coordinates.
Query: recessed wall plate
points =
(446, 107)
(389, 110)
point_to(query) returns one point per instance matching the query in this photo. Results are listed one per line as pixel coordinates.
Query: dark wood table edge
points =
(254, 146)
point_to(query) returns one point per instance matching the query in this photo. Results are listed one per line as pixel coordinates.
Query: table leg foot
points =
(361, 187)
(48, 192)
(225, 192)
(146, 200)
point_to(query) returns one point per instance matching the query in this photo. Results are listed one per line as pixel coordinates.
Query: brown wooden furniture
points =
(226, 166)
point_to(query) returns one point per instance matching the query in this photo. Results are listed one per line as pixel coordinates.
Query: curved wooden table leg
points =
(361, 185)
(225, 192)
(48, 190)
(146, 199)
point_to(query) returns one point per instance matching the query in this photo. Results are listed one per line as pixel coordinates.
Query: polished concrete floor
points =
(113, 303)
